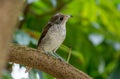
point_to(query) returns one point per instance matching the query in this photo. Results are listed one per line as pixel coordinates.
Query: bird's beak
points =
(68, 16)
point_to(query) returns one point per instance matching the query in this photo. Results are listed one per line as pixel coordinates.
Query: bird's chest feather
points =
(57, 33)
(54, 38)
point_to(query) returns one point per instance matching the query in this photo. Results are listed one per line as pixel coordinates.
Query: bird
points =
(53, 35)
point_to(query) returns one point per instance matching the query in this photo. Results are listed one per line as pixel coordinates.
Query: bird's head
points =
(59, 18)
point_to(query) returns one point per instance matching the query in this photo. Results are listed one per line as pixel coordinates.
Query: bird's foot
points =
(57, 56)
(47, 53)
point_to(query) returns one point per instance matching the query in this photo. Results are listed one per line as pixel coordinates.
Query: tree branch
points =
(36, 59)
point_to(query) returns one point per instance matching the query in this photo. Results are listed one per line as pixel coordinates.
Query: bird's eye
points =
(61, 18)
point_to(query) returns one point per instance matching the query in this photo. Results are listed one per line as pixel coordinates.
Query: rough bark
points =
(9, 11)
(36, 59)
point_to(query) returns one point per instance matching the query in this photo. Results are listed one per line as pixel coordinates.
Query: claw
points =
(57, 56)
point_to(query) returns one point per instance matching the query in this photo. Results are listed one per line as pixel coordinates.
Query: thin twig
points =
(69, 55)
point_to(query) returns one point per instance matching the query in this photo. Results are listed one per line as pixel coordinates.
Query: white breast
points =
(54, 38)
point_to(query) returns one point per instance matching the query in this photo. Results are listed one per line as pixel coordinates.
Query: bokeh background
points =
(93, 34)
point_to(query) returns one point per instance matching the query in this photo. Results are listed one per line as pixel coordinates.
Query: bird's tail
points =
(28, 69)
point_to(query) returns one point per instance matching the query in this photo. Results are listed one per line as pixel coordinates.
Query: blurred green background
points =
(93, 34)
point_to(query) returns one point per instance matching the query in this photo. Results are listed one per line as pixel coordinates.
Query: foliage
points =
(93, 33)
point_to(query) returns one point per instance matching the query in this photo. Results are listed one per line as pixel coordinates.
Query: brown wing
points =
(44, 32)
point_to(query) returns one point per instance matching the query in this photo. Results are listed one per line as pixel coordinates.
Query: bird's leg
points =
(58, 56)
(52, 53)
